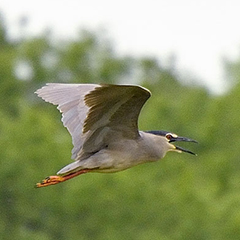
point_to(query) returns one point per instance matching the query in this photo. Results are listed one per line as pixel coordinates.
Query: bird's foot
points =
(52, 180)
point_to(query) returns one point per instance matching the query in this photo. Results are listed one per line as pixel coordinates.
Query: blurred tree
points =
(10, 89)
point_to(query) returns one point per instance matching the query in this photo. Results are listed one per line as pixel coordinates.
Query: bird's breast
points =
(123, 155)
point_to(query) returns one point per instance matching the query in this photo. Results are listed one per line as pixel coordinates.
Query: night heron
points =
(103, 122)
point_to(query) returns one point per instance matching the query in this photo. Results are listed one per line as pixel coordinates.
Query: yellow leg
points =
(52, 180)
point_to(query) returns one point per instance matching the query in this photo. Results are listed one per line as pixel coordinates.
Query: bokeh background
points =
(180, 197)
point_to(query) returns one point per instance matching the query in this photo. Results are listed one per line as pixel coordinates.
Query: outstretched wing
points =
(113, 114)
(70, 101)
(96, 115)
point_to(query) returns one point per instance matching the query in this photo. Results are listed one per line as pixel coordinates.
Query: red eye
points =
(168, 136)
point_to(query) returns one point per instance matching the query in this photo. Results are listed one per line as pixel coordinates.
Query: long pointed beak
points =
(180, 149)
(183, 139)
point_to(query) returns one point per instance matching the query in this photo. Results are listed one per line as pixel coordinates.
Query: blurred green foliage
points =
(180, 197)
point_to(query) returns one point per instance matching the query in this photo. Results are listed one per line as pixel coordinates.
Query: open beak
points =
(182, 139)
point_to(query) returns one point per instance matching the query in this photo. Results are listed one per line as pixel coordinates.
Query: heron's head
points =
(171, 138)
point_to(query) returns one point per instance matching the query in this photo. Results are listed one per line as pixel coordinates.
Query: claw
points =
(52, 180)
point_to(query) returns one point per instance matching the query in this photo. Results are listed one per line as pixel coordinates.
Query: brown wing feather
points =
(112, 109)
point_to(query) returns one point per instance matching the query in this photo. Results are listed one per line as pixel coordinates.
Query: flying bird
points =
(103, 122)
